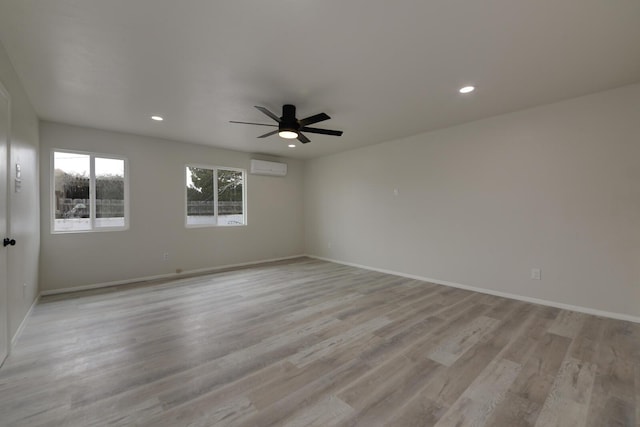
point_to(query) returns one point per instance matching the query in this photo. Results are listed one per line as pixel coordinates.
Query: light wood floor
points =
(313, 343)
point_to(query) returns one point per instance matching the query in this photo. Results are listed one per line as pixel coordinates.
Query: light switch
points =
(18, 180)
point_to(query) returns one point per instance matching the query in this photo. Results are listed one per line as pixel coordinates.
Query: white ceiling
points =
(382, 69)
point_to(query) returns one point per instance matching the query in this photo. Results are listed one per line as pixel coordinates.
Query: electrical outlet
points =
(329, 244)
(165, 256)
(536, 274)
(24, 290)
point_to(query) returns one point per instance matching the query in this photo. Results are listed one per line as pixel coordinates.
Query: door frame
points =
(7, 218)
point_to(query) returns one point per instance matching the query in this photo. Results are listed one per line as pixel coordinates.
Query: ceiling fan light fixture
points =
(289, 127)
(288, 134)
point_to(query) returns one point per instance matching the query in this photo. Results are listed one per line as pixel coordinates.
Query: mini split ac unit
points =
(262, 167)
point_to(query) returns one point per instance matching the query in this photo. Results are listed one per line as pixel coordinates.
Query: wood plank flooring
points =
(311, 343)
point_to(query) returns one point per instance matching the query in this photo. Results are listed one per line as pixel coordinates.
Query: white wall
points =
(24, 207)
(157, 181)
(555, 187)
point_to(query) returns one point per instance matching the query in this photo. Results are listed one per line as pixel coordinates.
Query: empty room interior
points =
(298, 213)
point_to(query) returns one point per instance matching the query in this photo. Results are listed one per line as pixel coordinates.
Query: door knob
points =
(7, 241)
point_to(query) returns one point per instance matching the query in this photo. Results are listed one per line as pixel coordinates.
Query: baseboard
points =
(15, 337)
(162, 276)
(586, 310)
(580, 309)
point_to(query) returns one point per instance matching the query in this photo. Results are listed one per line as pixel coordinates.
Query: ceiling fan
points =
(289, 127)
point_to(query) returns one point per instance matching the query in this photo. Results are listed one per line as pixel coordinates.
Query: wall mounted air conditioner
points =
(262, 167)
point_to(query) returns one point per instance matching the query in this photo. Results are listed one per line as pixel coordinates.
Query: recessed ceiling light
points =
(157, 118)
(292, 145)
(467, 89)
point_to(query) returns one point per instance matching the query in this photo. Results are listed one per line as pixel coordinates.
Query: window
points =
(215, 196)
(90, 192)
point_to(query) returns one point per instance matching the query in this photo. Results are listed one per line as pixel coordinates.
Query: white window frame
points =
(215, 196)
(92, 192)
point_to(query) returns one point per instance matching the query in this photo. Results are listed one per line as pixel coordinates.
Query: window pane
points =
(71, 188)
(109, 192)
(230, 204)
(200, 204)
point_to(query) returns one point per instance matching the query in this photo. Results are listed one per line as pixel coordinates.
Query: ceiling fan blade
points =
(273, 132)
(314, 119)
(322, 131)
(268, 113)
(303, 138)
(251, 123)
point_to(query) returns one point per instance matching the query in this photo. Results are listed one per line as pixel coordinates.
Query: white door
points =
(4, 215)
